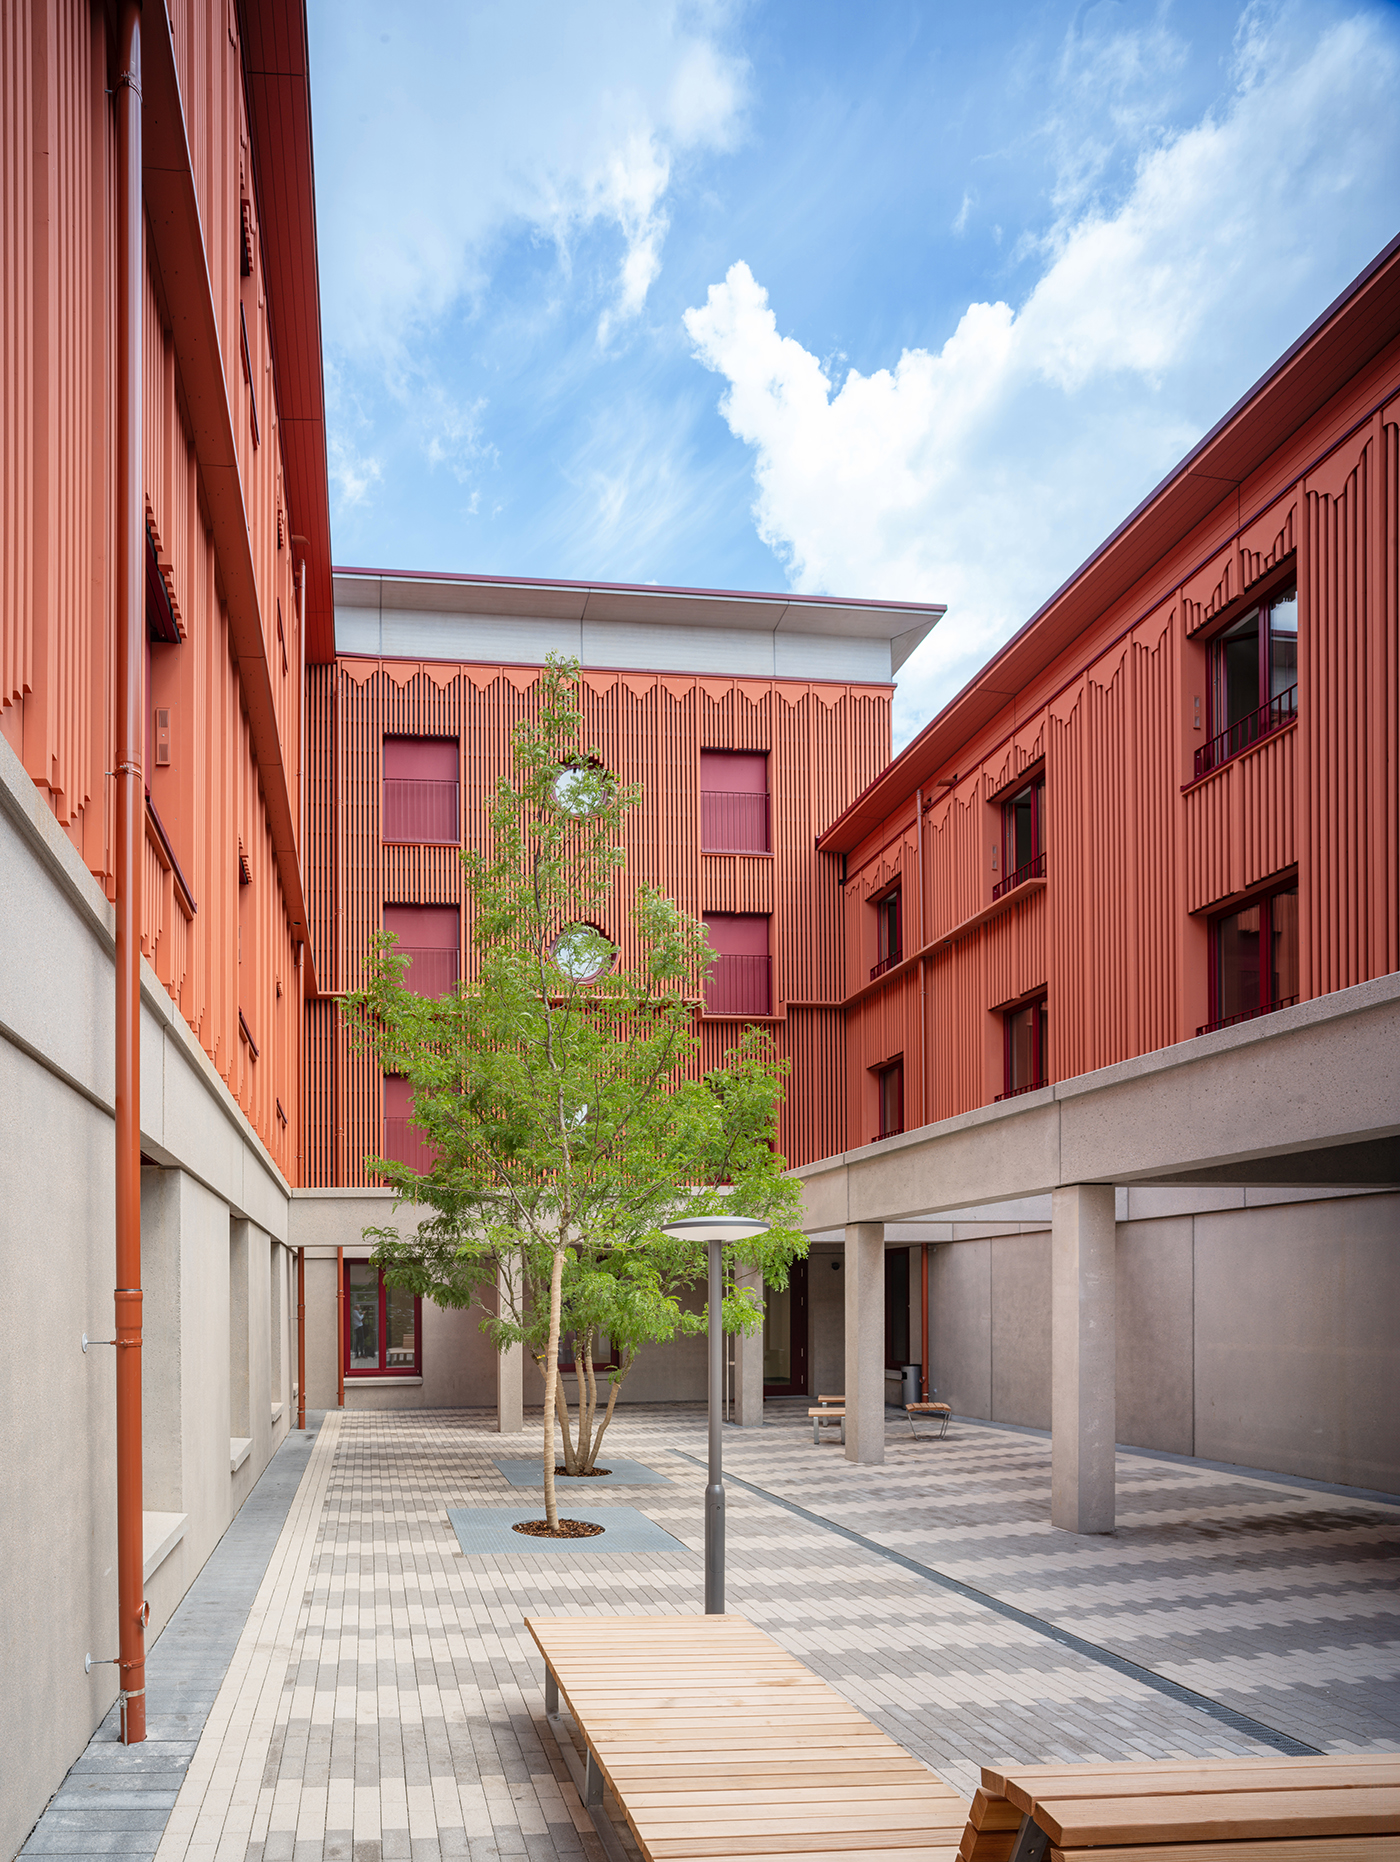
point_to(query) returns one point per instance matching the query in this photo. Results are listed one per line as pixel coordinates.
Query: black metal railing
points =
(1248, 730)
(1247, 1015)
(1033, 869)
(1015, 1092)
(887, 963)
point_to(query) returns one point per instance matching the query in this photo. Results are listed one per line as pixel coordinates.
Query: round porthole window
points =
(583, 953)
(583, 788)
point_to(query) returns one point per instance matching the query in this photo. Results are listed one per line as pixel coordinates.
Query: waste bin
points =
(913, 1375)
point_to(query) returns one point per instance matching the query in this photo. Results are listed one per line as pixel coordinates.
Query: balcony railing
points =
(1248, 730)
(740, 986)
(1015, 1092)
(1246, 1015)
(430, 972)
(404, 1143)
(731, 823)
(1033, 869)
(886, 963)
(416, 809)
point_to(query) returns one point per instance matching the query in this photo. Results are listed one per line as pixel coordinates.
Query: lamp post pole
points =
(715, 1231)
(714, 1491)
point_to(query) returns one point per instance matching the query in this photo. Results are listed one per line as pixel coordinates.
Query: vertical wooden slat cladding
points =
(230, 969)
(822, 742)
(1346, 713)
(1139, 856)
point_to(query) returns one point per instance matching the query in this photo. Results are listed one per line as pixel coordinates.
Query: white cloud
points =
(444, 129)
(981, 473)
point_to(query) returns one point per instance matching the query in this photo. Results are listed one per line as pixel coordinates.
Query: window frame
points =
(888, 1070)
(398, 840)
(1264, 902)
(1040, 1045)
(1034, 868)
(889, 917)
(717, 821)
(612, 1362)
(1270, 713)
(382, 1369)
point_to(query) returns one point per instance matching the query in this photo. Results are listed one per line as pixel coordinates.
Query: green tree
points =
(557, 1089)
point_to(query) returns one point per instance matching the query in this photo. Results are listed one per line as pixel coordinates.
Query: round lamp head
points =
(715, 1228)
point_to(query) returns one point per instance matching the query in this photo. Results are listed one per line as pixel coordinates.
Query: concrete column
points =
(748, 1363)
(1082, 1357)
(865, 1342)
(510, 1383)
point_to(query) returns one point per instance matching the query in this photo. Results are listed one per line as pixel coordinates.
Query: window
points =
(1254, 960)
(420, 789)
(889, 1084)
(889, 938)
(740, 979)
(583, 788)
(1027, 1049)
(734, 815)
(1022, 838)
(429, 937)
(404, 1143)
(583, 952)
(1253, 680)
(606, 1356)
(383, 1325)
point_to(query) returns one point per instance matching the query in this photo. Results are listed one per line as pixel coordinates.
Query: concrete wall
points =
(211, 1177)
(1264, 1332)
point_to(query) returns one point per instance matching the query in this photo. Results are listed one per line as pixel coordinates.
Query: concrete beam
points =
(1308, 1095)
(865, 1342)
(1083, 1357)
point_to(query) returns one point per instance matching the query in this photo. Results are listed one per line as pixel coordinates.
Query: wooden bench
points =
(715, 1742)
(823, 1417)
(936, 1412)
(1269, 1809)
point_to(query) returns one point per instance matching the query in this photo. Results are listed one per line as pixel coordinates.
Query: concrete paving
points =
(384, 1700)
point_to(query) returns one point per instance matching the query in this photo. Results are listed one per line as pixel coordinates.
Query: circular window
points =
(583, 788)
(583, 953)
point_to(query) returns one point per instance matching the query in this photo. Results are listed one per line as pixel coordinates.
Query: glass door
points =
(785, 1336)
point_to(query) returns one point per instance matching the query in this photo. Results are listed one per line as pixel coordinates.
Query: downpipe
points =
(130, 797)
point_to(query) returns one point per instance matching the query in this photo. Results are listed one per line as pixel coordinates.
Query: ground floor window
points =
(1027, 1058)
(785, 1335)
(606, 1356)
(383, 1325)
(896, 1308)
(1254, 959)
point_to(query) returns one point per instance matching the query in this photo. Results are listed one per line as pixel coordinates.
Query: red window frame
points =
(1270, 923)
(1016, 872)
(421, 810)
(740, 980)
(1227, 736)
(382, 1369)
(735, 812)
(1038, 1010)
(889, 932)
(566, 1364)
(889, 1099)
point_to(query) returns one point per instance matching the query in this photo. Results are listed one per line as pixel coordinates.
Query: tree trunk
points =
(561, 1407)
(587, 1451)
(551, 1385)
(615, 1384)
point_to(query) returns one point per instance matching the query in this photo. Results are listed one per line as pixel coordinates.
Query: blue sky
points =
(906, 300)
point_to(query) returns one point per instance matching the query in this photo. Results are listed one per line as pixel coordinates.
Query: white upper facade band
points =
(615, 626)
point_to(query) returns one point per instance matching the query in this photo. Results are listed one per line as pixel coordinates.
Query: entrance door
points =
(785, 1336)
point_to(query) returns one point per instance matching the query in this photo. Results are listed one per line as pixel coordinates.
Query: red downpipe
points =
(130, 795)
(301, 1338)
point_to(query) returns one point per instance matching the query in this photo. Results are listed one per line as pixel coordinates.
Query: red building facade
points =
(1173, 800)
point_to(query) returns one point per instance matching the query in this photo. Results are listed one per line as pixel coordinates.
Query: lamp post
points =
(715, 1231)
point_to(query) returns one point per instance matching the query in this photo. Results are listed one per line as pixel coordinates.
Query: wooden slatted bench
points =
(1271, 1809)
(936, 1412)
(716, 1742)
(823, 1418)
